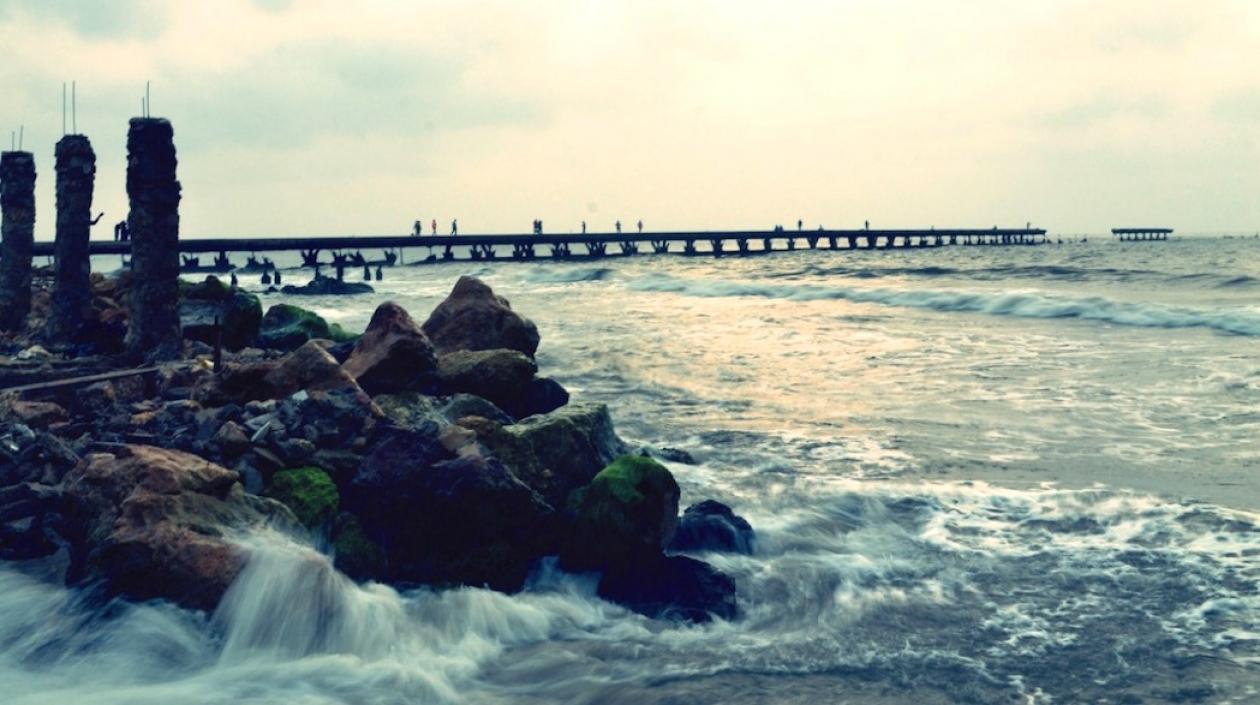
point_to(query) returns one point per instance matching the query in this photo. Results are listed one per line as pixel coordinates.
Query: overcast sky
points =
(309, 117)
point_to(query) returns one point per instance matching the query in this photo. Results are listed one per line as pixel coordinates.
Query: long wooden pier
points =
(594, 245)
(1129, 234)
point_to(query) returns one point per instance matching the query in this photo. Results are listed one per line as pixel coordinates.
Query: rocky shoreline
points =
(416, 454)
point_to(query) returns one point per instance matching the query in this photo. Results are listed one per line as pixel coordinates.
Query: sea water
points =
(977, 475)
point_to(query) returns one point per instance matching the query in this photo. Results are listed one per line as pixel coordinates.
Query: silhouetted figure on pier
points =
(583, 227)
(379, 274)
(417, 230)
(799, 225)
(618, 227)
(122, 232)
(454, 228)
(867, 225)
(640, 226)
(433, 225)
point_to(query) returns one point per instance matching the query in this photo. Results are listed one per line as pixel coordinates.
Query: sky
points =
(320, 117)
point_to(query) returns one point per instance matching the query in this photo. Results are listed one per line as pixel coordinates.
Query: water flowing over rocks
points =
(159, 523)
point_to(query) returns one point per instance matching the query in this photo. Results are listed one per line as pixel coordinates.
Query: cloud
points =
(1242, 106)
(1104, 107)
(112, 20)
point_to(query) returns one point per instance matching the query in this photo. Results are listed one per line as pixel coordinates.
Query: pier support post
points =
(72, 288)
(154, 332)
(17, 237)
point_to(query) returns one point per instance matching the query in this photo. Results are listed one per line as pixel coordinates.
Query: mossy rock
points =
(210, 289)
(625, 516)
(354, 553)
(243, 321)
(309, 492)
(288, 327)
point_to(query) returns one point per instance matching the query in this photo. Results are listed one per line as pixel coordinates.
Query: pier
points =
(587, 246)
(1132, 234)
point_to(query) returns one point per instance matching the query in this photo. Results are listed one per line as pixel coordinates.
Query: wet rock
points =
(674, 455)
(341, 465)
(288, 327)
(410, 409)
(308, 492)
(239, 314)
(393, 355)
(473, 317)
(231, 440)
(327, 286)
(712, 526)
(672, 587)
(459, 406)
(624, 517)
(501, 376)
(443, 520)
(353, 552)
(544, 396)
(155, 523)
(558, 452)
(308, 368)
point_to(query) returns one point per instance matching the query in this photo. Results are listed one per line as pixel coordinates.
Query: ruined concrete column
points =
(17, 237)
(154, 332)
(72, 288)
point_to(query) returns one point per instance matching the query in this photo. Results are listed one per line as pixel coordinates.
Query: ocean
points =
(1016, 475)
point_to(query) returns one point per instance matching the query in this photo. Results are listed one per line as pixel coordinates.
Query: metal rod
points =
(21, 135)
(74, 107)
(63, 108)
(147, 104)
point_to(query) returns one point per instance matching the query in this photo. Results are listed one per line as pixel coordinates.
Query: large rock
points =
(624, 518)
(156, 523)
(446, 520)
(672, 587)
(327, 286)
(555, 453)
(473, 317)
(712, 526)
(287, 327)
(310, 368)
(502, 376)
(393, 355)
(238, 313)
(308, 492)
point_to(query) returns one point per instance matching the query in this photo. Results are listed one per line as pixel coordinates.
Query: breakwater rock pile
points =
(415, 453)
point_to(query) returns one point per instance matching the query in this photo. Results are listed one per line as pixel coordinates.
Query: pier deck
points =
(1129, 234)
(560, 246)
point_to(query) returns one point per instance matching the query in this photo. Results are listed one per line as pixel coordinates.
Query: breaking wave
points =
(1024, 304)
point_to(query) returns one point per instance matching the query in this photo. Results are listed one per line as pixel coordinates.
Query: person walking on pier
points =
(640, 226)
(454, 228)
(799, 225)
(618, 227)
(583, 227)
(433, 225)
(418, 229)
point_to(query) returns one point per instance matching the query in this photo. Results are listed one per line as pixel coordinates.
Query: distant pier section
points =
(584, 246)
(1130, 234)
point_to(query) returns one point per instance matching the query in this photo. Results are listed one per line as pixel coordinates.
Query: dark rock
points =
(341, 465)
(461, 405)
(231, 440)
(341, 351)
(36, 414)
(624, 517)
(473, 317)
(410, 409)
(155, 523)
(308, 368)
(672, 587)
(393, 355)
(501, 376)
(712, 526)
(353, 552)
(288, 327)
(555, 453)
(674, 455)
(544, 396)
(239, 316)
(327, 286)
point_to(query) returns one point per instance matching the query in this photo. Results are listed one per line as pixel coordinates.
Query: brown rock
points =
(473, 317)
(501, 376)
(393, 355)
(231, 439)
(310, 367)
(37, 414)
(155, 523)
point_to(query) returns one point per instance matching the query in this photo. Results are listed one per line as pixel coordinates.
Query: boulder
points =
(36, 414)
(459, 406)
(231, 440)
(410, 409)
(501, 376)
(672, 587)
(288, 327)
(443, 520)
(393, 355)
(327, 286)
(558, 452)
(353, 552)
(308, 492)
(309, 368)
(625, 517)
(156, 523)
(712, 526)
(473, 317)
(544, 396)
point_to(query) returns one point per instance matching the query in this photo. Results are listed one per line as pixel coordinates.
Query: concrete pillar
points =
(72, 294)
(154, 332)
(17, 237)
